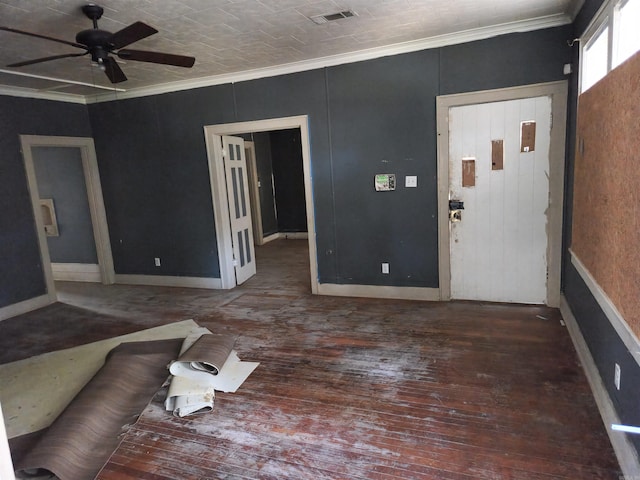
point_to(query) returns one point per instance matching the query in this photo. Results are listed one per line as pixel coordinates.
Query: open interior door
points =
(235, 168)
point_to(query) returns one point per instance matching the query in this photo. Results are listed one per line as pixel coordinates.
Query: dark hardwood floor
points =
(347, 388)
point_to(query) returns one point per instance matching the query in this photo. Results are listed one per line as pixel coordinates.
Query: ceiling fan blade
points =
(113, 70)
(46, 59)
(157, 57)
(37, 35)
(132, 33)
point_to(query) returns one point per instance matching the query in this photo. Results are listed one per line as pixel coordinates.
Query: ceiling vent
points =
(330, 17)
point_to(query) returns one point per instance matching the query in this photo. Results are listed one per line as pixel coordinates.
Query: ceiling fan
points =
(101, 44)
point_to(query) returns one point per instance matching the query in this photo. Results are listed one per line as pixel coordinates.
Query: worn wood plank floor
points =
(348, 388)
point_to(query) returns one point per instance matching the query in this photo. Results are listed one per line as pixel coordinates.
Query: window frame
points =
(606, 17)
(617, 12)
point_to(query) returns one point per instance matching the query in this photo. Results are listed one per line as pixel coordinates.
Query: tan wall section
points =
(606, 203)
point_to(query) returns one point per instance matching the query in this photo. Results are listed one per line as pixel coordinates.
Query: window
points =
(627, 38)
(594, 59)
(611, 38)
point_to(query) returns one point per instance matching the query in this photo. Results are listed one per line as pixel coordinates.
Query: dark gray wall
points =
(60, 177)
(155, 179)
(21, 274)
(383, 121)
(262, 144)
(607, 349)
(506, 61)
(605, 345)
(365, 118)
(286, 154)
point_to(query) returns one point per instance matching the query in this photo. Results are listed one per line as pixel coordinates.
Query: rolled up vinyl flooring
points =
(81, 440)
(205, 356)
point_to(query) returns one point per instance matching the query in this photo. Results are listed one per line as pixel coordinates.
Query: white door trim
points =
(558, 93)
(94, 196)
(218, 189)
(6, 465)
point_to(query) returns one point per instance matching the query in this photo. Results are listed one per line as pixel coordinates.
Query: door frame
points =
(94, 197)
(254, 192)
(219, 196)
(558, 93)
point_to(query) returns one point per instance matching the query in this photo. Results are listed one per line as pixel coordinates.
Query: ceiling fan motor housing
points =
(96, 41)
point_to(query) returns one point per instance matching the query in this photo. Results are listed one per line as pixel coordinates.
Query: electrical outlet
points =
(616, 377)
(385, 268)
(157, 261)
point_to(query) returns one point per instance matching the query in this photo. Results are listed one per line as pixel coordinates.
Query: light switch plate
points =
(410, 181)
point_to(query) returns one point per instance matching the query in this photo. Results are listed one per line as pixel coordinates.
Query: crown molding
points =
(471, 35)
(42, 95)
(50, 93)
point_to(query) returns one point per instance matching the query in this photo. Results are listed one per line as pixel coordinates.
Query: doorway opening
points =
(77, 154)
(221, 201)
(276, 185)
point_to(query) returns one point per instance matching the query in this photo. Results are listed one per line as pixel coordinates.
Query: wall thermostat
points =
(385, 182)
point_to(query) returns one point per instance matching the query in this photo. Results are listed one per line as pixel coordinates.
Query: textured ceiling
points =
(229, 37)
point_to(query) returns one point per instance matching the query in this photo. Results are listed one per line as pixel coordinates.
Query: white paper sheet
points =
(232, 374)
(193, 391)
(188, 397)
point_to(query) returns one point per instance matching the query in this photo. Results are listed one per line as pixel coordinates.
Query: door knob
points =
(455, 210)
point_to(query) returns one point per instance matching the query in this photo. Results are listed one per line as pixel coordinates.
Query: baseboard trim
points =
(167, 281)
(76, 272)
(625, 452)
(379, 291)
(25, 306)
(294, 235)
(285, 235)
(616, 319)
(270, 238)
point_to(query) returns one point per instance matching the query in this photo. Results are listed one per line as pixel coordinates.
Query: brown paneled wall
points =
(606, 204)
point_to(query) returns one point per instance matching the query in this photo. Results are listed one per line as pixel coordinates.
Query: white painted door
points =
(235, 167)
(499, 168)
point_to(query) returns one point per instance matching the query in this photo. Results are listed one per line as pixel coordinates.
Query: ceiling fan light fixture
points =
(101, 45)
